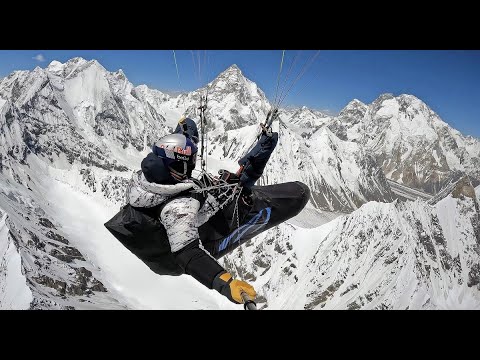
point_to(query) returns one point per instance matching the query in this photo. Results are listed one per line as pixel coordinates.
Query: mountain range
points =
(71, 135)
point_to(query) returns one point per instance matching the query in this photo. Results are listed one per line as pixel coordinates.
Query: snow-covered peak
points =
(55, 67)
(409, 100)
(307, 120)
(412, 143)
(8, 82)
(20, 86)
(73, 67)
(120, 75)
(404, 105)
(348, 120)
(76, 61)
(353, 112)
(119, 83)
(307, 111)
(144, 89)
(408, 116)
(355, 103)
(232, 69)
(232, 81)
(383, 97)
(233, 101)
(157, 103)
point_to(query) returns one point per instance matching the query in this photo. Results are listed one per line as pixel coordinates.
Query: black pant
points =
(272, 205)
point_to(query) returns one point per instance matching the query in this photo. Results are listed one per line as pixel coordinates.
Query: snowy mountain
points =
(411, 143)
(351, 115)
(340, 180)
(305, 121)
(233, 102)
(402, 255)
(341, 176)
(75, 110)
(39, 267)
(71, 135)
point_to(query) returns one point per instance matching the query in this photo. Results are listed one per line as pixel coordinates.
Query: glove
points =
(232, 289)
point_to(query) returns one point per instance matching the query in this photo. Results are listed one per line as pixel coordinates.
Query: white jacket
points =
(181, 217)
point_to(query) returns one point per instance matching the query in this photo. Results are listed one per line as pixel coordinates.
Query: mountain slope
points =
(341, 176)
(75, 129)
(347, 119)
(304, 120)
(54, 273)
(382, 256)
(411, 143)
(233, 102)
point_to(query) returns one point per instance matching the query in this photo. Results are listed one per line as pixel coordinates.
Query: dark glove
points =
(231, 288)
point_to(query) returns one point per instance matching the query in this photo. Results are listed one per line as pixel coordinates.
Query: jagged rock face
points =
(410, 141)
(350, 116)
(39, 263)
(382, 256)
(464, 188)
(62, 112)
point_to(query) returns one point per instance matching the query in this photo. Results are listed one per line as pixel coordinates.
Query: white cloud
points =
(39, 58)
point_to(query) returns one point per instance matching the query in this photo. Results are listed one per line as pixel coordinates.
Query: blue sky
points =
(447, 80)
